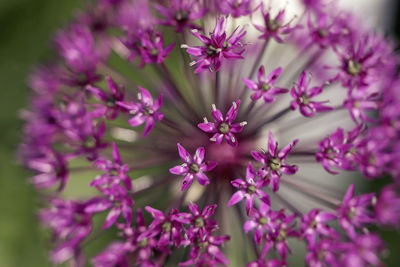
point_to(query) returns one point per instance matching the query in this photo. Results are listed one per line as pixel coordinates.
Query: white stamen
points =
(205, 120)
(184, 46)
(214, 108)
(192, 63)
(243, 123)
(212, 139)
(195, 31)
(234, 105)
(139, 96)
(187, 159)
(233, 139)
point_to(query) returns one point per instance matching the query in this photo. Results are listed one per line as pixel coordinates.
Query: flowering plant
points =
(320, 83)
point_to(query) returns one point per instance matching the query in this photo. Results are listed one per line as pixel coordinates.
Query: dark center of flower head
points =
(181, 16)
(265, 87)
(322, 33)
(273, 24)
(199, 222)
(353, 67)
(90, 142)
(113, 172)
(194, 168)
(275, 164)
(251, 189)
(147, 111)
(224, 128)
(166, 227)
(212, 51)
(110, 102)
(143, 243)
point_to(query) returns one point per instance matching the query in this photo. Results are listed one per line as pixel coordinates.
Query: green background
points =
(26, 29)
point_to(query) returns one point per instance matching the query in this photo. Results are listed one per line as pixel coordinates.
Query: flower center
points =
(194, 168)
(265, 87)
(154, 52)
(282, 235)
(166, 227)
(304, 99)
(90, 142)
(353, 67)
(199, 222)
(322, 33)
(110, 102)
(251, 189)
(212, 51)
(263, 220)
(181, 16)
(113, 172)
(273, 24)
(275, 164)
(237, 4)
(147, 111)
(143, 243)
(223, 128)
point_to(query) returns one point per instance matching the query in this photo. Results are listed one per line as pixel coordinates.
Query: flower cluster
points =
(281, 131)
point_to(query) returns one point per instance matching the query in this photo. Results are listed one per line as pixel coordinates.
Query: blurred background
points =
(26, 30)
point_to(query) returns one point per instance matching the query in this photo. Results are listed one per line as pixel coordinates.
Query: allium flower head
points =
(123, 116)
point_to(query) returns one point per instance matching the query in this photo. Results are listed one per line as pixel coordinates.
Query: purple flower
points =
(236, 8)
(323, 253)
(181, 14)
(334, 151)
(113, 255)
(108, 107)
(363, 250)
(200, 222)
(216, 47)
(278, 238)
(263, 220)
(115, 185)
(193, 167)
(324, 29)
(81, 53)
(249, 189)
(223, 128)
(206, 250)
(314, 225)
(169, 226)
(302, 95)
(265, 86)
(116, 173)
(274, 162)
(387, 206)
(145, 111)
(151, 48)
(52, 169)
(70, 226)
(273, 27)
(355, 212)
